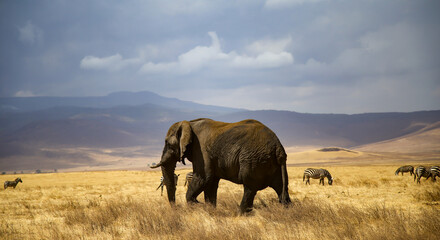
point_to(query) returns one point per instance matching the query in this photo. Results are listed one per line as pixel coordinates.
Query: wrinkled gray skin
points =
(245, 152)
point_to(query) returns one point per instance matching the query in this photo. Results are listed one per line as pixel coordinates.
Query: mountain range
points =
(34, 129)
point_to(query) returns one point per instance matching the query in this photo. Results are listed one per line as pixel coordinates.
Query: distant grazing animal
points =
(435, 172)
(317, 173)
(176, 177)
(12, 184)
(422, 171)
(188, 179)
(406, 168)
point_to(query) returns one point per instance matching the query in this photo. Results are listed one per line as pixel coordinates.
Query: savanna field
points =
(365, 202)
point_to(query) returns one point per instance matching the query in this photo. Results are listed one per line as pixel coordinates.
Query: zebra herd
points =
(308, 173)
(421, 171)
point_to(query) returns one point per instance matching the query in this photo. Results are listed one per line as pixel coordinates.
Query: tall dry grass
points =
(363, 203)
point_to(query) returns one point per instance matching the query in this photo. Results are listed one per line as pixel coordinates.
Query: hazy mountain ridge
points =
(46, 136)
(120, 126)
(426, 139)
(338, 129)
(26, 104)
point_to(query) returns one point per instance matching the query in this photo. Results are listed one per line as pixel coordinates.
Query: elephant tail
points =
(281, 159)
(285, 199)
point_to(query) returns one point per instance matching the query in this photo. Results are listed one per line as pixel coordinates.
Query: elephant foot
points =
(285, 202)
(192, 201)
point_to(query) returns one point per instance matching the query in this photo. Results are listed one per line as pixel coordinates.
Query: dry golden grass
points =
(365, 202)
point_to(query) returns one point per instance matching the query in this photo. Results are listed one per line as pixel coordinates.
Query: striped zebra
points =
(188, 178)
(422, 171)
(406, 168)
(317, 173)
(176, 177)
(435, 172)
(12, 184)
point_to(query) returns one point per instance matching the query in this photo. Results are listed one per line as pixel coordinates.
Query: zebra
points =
(317, 173)
(176, 177)
(422, 171)
(188, 178)
(406, 168)
(435, 172)
(12, 183)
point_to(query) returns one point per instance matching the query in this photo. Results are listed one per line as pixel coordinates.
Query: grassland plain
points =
(365, 202)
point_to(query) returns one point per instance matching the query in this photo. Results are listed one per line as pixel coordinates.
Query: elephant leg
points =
(247, 202)
(278, 187)
(211, 191)
(196, 187)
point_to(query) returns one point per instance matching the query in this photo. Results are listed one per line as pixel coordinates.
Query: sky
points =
(311, 56)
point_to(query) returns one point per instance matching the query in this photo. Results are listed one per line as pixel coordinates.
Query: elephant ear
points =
(185, 139)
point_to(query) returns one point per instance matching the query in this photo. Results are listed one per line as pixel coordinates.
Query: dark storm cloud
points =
(308, 56)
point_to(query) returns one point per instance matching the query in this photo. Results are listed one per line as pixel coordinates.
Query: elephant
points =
(245, 152)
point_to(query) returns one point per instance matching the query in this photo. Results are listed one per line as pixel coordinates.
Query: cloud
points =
(151, 67)
(30, 34)
(111, 63)
(372, 95)
(264, 60)
(24, 93)
(277, 4)
(267, 54)
(254, 97)
(269, 45)
(201, 56)
(389, 51)
(336, 47)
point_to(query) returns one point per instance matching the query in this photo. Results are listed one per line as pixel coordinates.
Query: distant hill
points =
(296, 129)
(26, 104)
(47, 130)
(426, 139)
(16, 112)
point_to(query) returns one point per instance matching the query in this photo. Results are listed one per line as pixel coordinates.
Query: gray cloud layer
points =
(309, 56)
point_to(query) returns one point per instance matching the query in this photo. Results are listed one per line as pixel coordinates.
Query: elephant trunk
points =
(168, 164)
(168, 168)
(168, 174)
